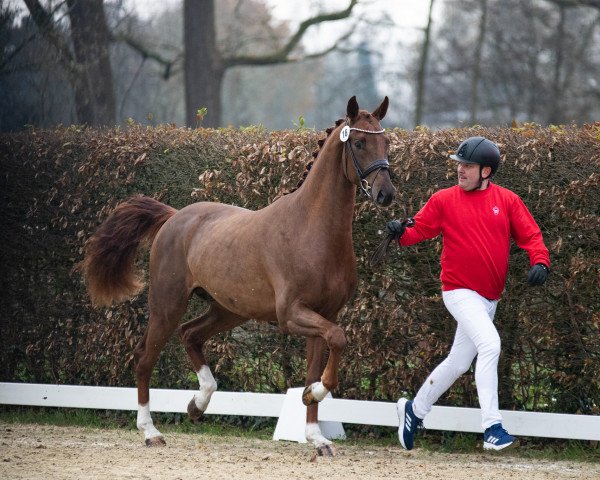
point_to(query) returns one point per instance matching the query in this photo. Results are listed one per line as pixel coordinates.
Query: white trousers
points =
(475, 335)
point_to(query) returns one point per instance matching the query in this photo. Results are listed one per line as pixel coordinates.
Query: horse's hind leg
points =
(162, 323)
(193, 335)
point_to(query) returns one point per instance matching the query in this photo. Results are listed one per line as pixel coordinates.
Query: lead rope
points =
(381, 250)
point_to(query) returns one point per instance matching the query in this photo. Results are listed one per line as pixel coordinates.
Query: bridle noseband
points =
(377, 165)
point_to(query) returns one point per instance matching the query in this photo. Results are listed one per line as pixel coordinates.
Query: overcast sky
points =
(404, 12)
(408, 15)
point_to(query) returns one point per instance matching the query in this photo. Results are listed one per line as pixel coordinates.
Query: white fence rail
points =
(550, 425)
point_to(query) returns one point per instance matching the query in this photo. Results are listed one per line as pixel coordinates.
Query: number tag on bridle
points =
(345, 133)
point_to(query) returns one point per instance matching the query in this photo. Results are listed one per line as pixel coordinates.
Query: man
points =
(476, 218)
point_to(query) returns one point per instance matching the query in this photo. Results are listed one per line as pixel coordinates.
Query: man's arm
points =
(427, 224)
(528, 236)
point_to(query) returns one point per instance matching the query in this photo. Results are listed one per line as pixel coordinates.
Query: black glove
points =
(537, 275)
(396, 228)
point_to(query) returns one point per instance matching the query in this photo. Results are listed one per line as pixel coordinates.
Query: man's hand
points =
(537, 275)
(395, 230)
(397, 227)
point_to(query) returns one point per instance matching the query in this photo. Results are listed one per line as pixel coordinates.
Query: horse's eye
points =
(358, 144)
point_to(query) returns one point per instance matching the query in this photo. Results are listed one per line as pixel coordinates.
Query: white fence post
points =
(292, 420)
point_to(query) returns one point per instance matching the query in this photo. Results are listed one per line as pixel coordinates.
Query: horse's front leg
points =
(315, 356)
(333, 336)
(320, 332)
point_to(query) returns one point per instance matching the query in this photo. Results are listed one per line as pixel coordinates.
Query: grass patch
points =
(73, 417)
(226, 425)
(263, 428)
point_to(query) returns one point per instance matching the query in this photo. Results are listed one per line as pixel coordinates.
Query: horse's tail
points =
(108, 264)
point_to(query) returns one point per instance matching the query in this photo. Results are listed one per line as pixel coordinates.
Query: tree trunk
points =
(94, 91)
(533, 66)
(203, 65)
(554, 113)
(421, 72)
(477, 63)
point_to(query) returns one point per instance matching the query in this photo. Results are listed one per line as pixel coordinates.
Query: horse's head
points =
(366, 152)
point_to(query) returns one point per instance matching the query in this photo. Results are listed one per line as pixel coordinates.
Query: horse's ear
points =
(352, 109)
(381, 110)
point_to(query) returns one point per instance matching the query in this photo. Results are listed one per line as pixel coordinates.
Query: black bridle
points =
(377, 165)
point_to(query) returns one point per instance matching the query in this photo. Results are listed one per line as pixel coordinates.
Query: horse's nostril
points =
(384, 198)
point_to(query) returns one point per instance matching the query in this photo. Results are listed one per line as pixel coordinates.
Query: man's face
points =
(468, 175)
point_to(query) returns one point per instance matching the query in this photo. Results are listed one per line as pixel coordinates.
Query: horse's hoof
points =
(307, 397)
(326, 451)
(155, 442)
(194, 412)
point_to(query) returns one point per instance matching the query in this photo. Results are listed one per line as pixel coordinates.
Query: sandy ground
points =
(50, 452)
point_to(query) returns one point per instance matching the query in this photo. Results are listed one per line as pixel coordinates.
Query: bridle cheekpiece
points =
(375, 166)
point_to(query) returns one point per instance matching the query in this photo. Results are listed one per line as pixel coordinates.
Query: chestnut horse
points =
(291, 262)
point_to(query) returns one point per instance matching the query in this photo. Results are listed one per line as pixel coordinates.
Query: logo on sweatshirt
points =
(496, 210)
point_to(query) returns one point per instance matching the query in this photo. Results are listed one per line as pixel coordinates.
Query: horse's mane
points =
(315, 154)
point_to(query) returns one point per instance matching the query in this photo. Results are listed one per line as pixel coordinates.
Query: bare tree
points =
(206, 64)
(420, 97)
(553, 113)
(83, 43)
(537, 61)
(561, 74)
(88, 64)
(476, 80)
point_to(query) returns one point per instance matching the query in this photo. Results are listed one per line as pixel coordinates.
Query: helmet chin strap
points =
(481, 179)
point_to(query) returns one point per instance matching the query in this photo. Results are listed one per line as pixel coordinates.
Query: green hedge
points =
(57, 186)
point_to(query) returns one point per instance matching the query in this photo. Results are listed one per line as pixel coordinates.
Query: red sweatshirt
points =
(476, 228)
